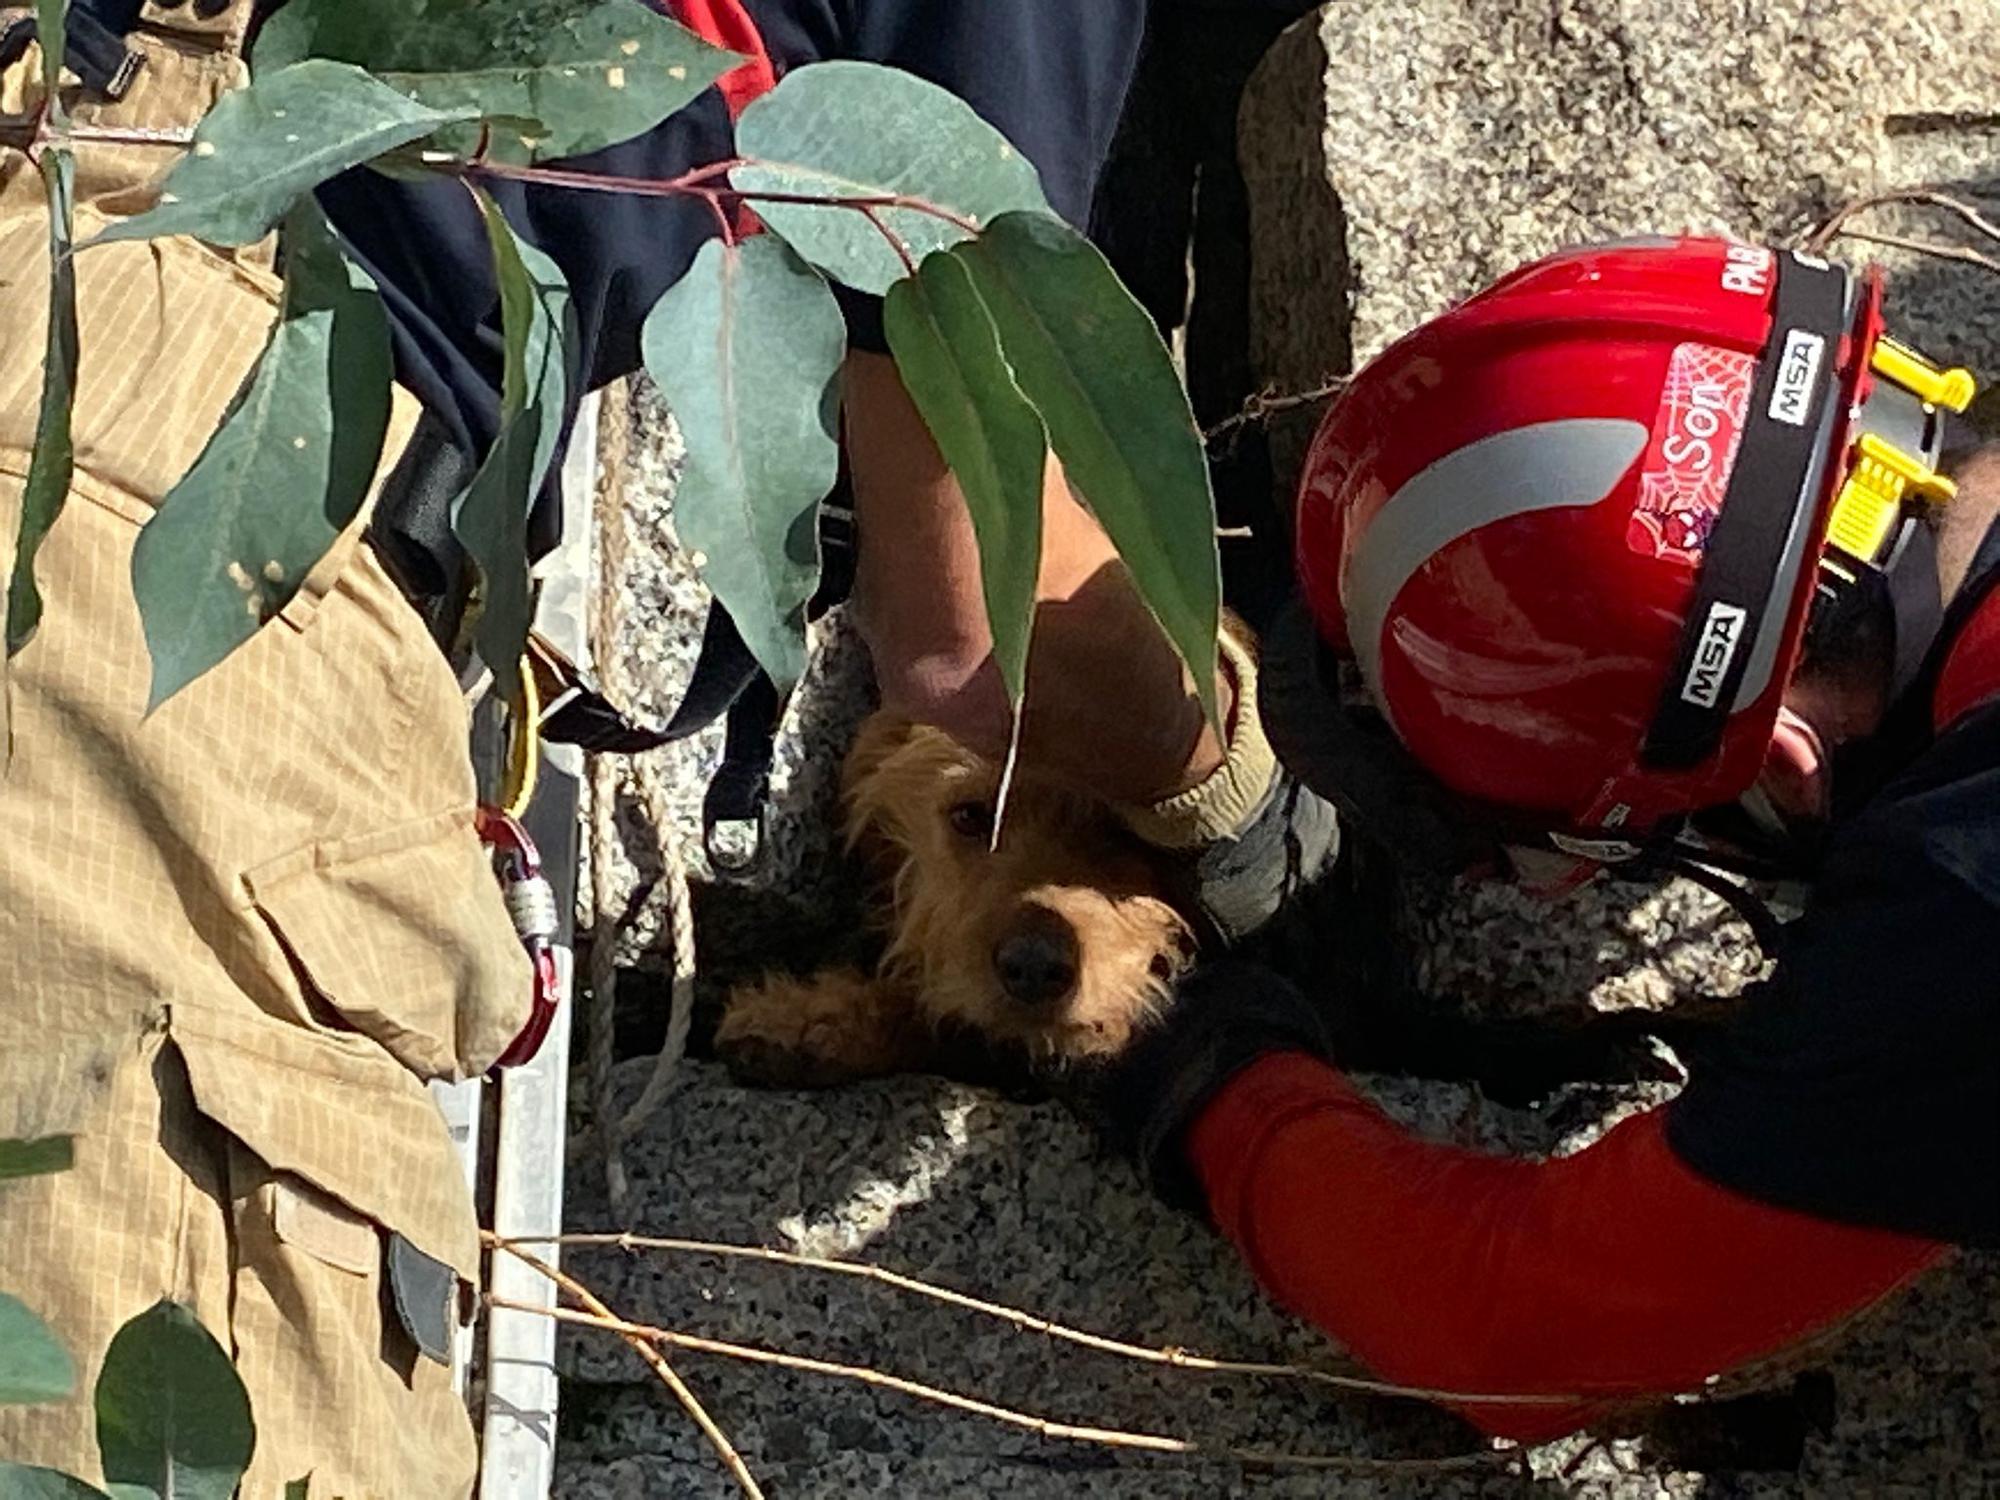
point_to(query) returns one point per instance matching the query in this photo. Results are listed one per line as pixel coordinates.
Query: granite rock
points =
(1399, 158)
(1007, 1200)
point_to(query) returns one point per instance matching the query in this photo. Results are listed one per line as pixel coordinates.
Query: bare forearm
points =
(1109, 705)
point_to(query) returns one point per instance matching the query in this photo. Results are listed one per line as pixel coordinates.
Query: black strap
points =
(1915, 602)
(723, 670)
(1771, 492)
(741, 785)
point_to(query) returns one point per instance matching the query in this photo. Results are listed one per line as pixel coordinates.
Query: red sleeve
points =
(1613, 1274)
(728, 25)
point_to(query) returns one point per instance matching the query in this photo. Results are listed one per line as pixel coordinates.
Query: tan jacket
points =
(241, 932)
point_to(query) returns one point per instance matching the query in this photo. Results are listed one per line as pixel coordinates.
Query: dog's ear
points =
(866, 796)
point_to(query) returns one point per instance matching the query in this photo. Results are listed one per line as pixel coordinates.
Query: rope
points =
(614, 1129)
(598, 1055)
(680, 919)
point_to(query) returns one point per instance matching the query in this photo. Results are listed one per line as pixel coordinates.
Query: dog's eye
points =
(973, 820)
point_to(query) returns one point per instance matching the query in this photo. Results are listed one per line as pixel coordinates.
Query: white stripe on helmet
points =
(1543, 466)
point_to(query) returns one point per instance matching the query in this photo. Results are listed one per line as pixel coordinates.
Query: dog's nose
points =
(1037, 962)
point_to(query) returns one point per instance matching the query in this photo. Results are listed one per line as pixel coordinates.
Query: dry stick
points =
(1046, 1427)
(1820, 238)
(717, 1439)
(1266, 403)
(1032, 1323)
(1963, 253)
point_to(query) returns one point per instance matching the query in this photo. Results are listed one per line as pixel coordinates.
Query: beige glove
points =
(1253, 835)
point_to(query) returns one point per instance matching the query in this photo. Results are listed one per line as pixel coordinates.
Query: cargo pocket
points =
(354, 1254)
(404, 936)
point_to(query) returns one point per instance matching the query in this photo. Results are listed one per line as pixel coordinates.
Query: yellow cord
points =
(524, 744)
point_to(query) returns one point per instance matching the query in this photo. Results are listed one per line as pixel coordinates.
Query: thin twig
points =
(1031, 1323)
(1962, 253)
(641, 1344)
(1267, 403)
(1836, 227)
(1043, 1426)
(1818, 240)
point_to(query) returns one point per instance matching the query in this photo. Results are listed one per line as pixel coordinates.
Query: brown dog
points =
(1052, 942)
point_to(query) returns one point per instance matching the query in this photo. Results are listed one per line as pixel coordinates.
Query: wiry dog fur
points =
(1053, 942)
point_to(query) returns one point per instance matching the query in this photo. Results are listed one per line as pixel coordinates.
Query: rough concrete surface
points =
(1397, 157)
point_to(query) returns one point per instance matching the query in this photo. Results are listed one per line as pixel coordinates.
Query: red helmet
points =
(1571, 530)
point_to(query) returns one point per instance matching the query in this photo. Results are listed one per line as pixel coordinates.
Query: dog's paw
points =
(836, 1027)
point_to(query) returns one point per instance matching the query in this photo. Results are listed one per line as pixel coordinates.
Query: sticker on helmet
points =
(1695, 438)
(1721, 634)
(1798, 375)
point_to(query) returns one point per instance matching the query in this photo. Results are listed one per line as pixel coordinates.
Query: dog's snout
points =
(1038, 960)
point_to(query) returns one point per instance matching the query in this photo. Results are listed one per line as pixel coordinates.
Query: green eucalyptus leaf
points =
(299, 1489)
(54, 458)
(281, 477)
(948, 353)
(747, 348)
(33, 1366)
(1092, 362)
(263, 147)
(554, 77)
(173, 1418)
(52, 30)
(491, 517)
(28, 1482)
(37, 1157)
(859, 131)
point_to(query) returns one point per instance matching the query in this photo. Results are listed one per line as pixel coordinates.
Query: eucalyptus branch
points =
(895, 240)
(698, 183)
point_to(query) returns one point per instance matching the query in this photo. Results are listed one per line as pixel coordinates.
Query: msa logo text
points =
(1721, 634)
(1798, 372)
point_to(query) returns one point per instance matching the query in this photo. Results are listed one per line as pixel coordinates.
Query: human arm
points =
(1828, 1147)
(1101, 672)
(1613, 1277)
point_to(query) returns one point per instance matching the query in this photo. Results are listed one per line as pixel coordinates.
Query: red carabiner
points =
(531, 904)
